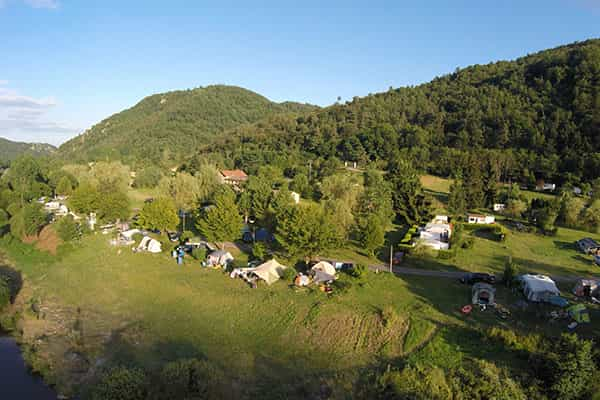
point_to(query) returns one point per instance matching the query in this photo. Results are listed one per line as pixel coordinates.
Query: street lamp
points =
(252, 221)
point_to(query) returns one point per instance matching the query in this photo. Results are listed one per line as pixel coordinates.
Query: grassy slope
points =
(186, 311)
(555, 255)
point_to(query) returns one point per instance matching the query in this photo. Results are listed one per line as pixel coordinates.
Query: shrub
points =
(258, 251)
(199, 253)
(185, 236)
(4, 293)
(510, 272)
(67, 229)
(358, 271)
(137, 237)
(289, 273)
(191, 379)
(121, 384)
(468, 243)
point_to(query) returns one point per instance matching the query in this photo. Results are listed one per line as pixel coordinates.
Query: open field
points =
(143, 309)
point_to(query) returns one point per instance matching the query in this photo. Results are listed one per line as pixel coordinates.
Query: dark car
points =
(474, 277)
(174, 236)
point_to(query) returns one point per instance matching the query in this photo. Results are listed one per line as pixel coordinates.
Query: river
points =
(16, 382)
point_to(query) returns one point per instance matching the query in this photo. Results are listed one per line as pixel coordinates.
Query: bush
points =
(199, 253)
(121, 384)
(191, 379)
(468, 243)
(510, 272)
(289, 273)
(358, 271)
(137, 237)
(258, 251)
(185, 236)
(67, 229)
(4, 293)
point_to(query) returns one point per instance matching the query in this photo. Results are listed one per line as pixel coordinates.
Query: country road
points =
(450, 274)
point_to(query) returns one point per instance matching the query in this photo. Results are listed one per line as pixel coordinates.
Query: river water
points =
(16, 382)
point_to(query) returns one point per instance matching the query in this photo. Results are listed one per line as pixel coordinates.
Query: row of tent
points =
(270, 272)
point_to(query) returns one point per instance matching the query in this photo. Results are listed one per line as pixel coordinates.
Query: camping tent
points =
(585, 287)
(579, 313)
(323, 272)
(324, 266)
(150, 245)
(270, 272)
(483, 293)
(219, 257)
(538, 287)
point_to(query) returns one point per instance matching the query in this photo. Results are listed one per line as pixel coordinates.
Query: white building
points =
(437, 233)
(480, 219)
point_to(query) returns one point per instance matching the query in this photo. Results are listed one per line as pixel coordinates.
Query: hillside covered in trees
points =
(169, 126)
(10, 150)
(538, 115)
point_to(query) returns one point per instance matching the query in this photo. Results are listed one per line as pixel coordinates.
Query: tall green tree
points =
(457, 199)
(256, 197)
(160, 214)
(474, 183)
(305, 230)
(220, 222)
(371, 234)
(411, 205)
(64, 186)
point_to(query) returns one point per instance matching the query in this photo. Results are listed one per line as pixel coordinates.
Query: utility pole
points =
(391, 257)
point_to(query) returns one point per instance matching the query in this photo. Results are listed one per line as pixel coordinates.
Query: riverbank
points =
(16, 380)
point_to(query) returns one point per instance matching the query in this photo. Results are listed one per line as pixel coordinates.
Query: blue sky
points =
(66, 64)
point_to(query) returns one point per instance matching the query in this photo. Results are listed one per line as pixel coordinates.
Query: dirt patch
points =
(359, 334)
(48, 240)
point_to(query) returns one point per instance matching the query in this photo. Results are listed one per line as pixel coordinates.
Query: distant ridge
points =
(169, 127)
(10, 150)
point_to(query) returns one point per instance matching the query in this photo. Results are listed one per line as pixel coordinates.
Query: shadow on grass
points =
(439, 196)
(564, 245)
(14, 280)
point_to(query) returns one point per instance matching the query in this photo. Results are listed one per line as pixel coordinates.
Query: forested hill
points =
(542, 111)
(10, 150)
(168, 127)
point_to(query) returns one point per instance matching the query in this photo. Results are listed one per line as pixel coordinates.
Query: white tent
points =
(324, 266)
(538, 287)
(219, 257)
(323, 272)
(270, 272)
(150, 245)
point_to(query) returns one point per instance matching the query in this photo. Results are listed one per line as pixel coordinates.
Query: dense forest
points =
(10, 150)
(164, 128)
(539, 116)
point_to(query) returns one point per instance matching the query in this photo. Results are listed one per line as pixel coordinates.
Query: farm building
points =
(480, 219)
(233, 177)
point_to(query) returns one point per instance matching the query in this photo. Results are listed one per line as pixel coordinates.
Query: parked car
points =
(474, 277)
(174, 236)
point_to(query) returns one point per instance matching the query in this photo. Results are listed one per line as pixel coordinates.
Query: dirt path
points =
(450, 274)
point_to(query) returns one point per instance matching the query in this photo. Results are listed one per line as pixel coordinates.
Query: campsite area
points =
(147, 310)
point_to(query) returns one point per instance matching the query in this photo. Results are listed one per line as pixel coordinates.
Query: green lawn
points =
(144, 309)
